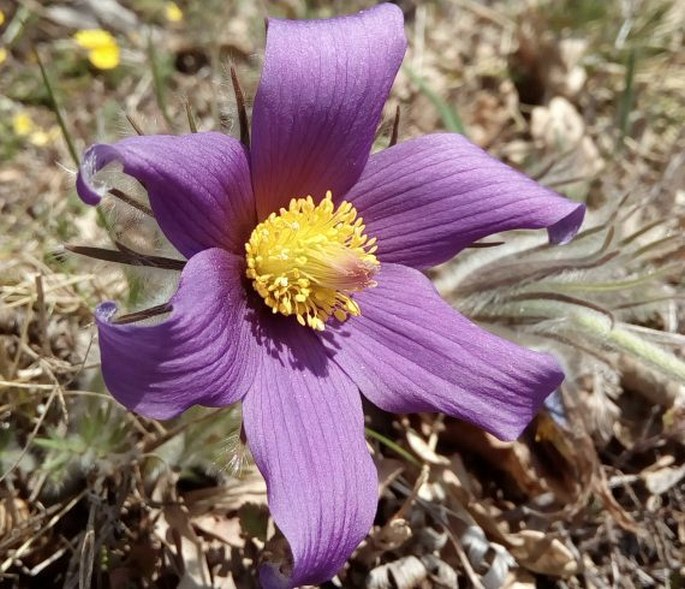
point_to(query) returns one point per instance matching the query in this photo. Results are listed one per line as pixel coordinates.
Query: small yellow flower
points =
(22, 124)
(24, 127)
(103, 50)
(2, 18)
(3, 55)
(41, 138)
(172, 12)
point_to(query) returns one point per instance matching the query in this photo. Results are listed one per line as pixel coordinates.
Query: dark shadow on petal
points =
(284, 339)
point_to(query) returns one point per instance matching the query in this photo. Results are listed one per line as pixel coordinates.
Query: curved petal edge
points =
(203, 353)
(410, 351)
(199, 186)
(305, 427)
(319, 102)
(428, 198)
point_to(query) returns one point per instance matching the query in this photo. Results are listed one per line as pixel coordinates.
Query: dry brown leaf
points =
(13, 513)
(423, 450)
(391, 536)
(653, 384)
(227, 530)
(520, 579)
(381, 540)
(412, 572)
(674, 422)
(542, 553)
(388, 471)
(173, 527)
(230, 497)
(559, 129)
(557, 125)
(570, 78)
(405, 573)
(533, 549)
(663, 479)
(474, 528)
(520, 462)
(620, 515)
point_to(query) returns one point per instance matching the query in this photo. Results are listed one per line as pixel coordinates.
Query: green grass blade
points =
(627, 98)
(450, 117)
(392, 445)
(58, 112)
(158, 82)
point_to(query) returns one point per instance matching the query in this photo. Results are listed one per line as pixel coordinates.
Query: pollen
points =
(309, 259)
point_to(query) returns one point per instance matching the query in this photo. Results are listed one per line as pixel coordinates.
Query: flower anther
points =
(308, 259)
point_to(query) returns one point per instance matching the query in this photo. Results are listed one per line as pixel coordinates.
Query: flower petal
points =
(305, 428)
(410, 351)
(199, 186)
(428, 198)
(319, 101)
(203, 353)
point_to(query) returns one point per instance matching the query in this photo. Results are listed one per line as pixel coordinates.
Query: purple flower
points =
(292, 305)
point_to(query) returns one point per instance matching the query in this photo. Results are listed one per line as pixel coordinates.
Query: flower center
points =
(308, 259)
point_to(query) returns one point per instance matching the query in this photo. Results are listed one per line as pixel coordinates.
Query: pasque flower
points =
(293, 304)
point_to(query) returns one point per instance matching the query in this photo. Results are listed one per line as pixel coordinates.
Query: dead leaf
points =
(13, 513)
(661, 480)
(381, 540)
(413, 572)
(230, 497)
(542, 553)
(388, 471)
(423, 450)
(173, 527)
(620, 515)
(224, 529)
(520, 579)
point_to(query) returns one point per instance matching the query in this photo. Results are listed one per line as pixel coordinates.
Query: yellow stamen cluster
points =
(308, 259)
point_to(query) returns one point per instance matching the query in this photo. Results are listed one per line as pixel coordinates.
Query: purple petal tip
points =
(94, 159)
(271, 578)
(106, 310)
(563, 231)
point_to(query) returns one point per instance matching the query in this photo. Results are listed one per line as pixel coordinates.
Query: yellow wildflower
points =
(3, 55)
(22, 124)
(103, 50)
(2, 18)
(41, 138)
(24, 127)
(172, 12)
